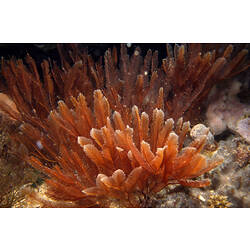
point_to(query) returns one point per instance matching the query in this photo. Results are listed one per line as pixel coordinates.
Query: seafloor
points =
(230, 187)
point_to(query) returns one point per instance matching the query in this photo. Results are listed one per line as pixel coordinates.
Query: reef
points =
(225, 111)
(229, 182)
(114, 133)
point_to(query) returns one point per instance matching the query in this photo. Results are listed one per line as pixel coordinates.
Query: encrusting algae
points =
(109, 136)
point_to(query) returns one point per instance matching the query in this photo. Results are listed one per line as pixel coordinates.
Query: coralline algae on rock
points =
(243, 128)
(227, 112)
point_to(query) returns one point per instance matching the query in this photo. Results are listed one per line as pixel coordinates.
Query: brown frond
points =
(192, 73)
(9, 107)
(121, 158)
(186, 76)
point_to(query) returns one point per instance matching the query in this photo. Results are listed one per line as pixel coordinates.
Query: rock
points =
(227, 112)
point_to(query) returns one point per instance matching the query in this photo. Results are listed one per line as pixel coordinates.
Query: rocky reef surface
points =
(230, 185)
(226, 111)
(230, 182)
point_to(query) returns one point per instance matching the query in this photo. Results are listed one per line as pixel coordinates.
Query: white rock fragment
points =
(199, 130)
(201, 198)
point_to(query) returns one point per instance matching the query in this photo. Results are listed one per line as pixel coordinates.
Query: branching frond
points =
(117, 159)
